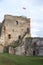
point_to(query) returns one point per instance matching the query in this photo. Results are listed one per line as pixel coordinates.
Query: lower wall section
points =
(1, 48)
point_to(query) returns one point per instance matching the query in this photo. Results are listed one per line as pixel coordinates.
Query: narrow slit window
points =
(4, 28)
(19, 37)
(17, 22)
(9, 36)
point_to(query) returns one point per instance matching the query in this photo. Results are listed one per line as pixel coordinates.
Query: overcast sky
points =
(34, 10)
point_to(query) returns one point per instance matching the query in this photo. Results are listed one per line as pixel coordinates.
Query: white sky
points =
(34, 10)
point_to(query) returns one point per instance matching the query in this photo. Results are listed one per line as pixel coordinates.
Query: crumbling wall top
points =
(16, 17)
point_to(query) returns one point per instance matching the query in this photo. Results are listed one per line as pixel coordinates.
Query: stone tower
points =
(13, 27)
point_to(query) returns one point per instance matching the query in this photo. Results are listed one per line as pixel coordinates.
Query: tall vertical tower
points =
(15, 26)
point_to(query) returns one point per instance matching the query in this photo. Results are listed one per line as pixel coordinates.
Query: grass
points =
(8, 59)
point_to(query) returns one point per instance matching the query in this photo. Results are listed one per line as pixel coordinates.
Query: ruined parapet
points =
(8, 17)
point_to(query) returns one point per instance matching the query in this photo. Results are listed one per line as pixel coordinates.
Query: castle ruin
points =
(12, 28)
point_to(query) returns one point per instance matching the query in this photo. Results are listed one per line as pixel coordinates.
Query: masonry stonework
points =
(13, 27)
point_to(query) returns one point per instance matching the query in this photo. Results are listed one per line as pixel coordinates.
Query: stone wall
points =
(30, 47)
(34, 46)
